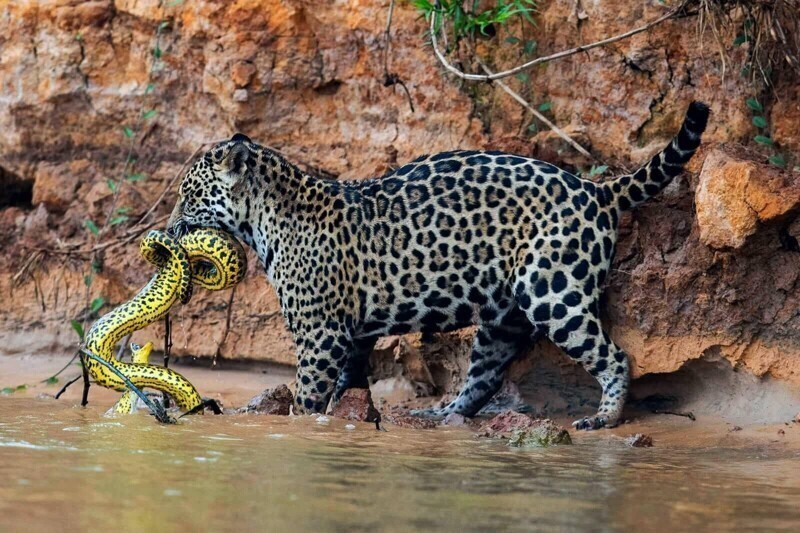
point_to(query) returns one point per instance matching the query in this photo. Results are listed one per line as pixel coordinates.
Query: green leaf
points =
(530, 47)
(157, 52)
(761, 139)
(532, 127)
(77, 327)
(149, 114)
(112, 185)
(163, 25)
(597, 170)
(136, 177)
(91, 226)
(79, 36)
(753, 104)
(545, 106)
(759, 121)
(22, 387)
(97, 303)
(127, 131)
(116, 221)
(52, 380)
(87, 280)
(149, 88)
(778, 160)
(512, 40)
(7, 390)
(740, 39)
(523, 77)
(122, 210)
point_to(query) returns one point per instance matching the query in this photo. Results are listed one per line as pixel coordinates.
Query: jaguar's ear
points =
(235, 161)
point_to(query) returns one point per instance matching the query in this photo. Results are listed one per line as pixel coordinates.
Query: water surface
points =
(63, 468)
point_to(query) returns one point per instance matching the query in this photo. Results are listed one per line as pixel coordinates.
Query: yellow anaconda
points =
(207, 257)
(141, 355)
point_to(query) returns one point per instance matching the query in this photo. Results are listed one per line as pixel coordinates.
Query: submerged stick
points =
(157, 409)
(86, 385)
(65, 387)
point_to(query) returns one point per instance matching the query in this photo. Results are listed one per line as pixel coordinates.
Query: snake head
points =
(141, 354)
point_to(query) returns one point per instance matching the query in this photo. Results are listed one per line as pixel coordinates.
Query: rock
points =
(323, 420)
(454, 420)
(639, 440)
(735, 193)
(56, 185)
(404, 420)
(546, 434)
(349, 427)
(506, 423)
(394, 390)
(785, 119)
(242, 72)
(356, 404)
(508, 398)
(275, 401)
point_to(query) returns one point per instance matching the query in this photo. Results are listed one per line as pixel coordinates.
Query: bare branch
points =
(524, 103)
(559, 55)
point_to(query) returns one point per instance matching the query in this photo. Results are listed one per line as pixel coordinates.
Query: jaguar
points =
(513, 245)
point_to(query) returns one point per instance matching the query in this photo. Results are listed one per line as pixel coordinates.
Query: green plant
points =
(12, 390)
(763, 138)
(472, 21)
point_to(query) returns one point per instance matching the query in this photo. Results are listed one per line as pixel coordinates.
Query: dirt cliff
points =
(708, 270)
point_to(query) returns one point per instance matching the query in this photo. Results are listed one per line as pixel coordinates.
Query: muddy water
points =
(65, 468)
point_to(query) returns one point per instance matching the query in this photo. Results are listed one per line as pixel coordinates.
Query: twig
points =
(391, 79)
(65, 387)
(122, 346)
(218, 352)
(62, 368)
(167, 339)
(565, 53)
(86, 385)
(689, 414)
(561, 133)
(167, 350)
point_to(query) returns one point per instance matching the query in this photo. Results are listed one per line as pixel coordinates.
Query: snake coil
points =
(207, 257)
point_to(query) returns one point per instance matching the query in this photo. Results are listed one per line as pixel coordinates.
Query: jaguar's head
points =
(213, 192)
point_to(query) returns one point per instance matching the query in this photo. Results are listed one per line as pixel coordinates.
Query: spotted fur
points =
(512, 244)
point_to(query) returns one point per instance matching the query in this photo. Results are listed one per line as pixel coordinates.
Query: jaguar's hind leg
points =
(557, 304)
(493, 349)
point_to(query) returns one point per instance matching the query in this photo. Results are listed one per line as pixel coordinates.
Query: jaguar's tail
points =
(631, 190)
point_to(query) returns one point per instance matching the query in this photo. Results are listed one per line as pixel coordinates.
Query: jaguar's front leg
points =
(321, 355)
(355, 374)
